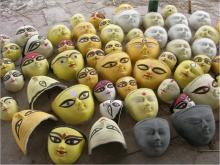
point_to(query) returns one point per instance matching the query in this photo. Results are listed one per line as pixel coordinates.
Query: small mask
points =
(149, 73)
(74, 105)
(169, 10)
(180, 31)
(104, 90)
(153, 19)
(199, 18)
(216, 64)
(169, 58)
(176, 18)
(103, 23)
(123, 7)
(67, 64)
(134, 33)
(83, 28)
(113, 47)
(6, 65)
(65, 45)
(76, 19)
(153, 136)
(11, 51)
(204, 61)
(8, 108)
(96, 18)
(93, 55)
(4, 39)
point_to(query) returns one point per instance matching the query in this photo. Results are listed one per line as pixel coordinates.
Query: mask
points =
(176, 18)
(204, 62)
(103, 23)
(153, 19)
(65, 45)
(169, 58)
(168, 90)
(198, 19)
(216, 64)
(204, 90)
(149, 73)
(180, 31)
(114, 66)
(218, 80)
(11, 51)
(13, 80)
(23, 124)
(96, 18)
(218, 26)
(4, 39)
(196, 124)
(104, 90)
(67, 64)
(113, 47)
(83, 28)
(65, 145)
(76, 19)
(74, 105)
(123, 7)
(186, 71)
(93, 55)
(142, 103)
(8, 108)
(105, 131)
(153, 136)
(6, 65)
(134, 33)
(34, 64)
(168, 10)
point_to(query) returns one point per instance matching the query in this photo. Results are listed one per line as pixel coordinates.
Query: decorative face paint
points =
(158, 33)
(134, 33)
(13, 80)
(6, 65)
(93, 56)
(39, 44)
(65, 145)
(74, 105)
(204, 90)
(199, 18)
(83, 28)
(176, 18)
(180, 31)
(96, 18)
(105, 131)
(67, 64)
(104, 90)
(195, 124)
(150, 73)
(103, 23)
(114, 66)
(8, 108)
(113, 47)
(4, 39)
(216, 64)
(123, 7)
(186, 71)
(11, 51)
(153, 136)
(65, 45)
(168, 10)
(153, 19)
(180, 48)
(204, 61)
(142, 103)
(88, 76)
(76, 19)
(169, 58)
(34, 64)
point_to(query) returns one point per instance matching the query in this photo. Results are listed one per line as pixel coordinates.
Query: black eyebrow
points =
(58, 59)
(56, 134)
(73, 136)
(7, 99)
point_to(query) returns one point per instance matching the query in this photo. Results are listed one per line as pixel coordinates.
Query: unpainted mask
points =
(180, 31)
(199, 18)
(76, 19)
(96, 18)
(8, 108)
(176, 18)
(11, 51)
(204, 61)
(168, 10)
(134, 33)
(153, 19)
(216, 64)
(169, 58)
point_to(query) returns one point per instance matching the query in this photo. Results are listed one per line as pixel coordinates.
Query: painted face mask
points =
(104, 90)
(34, 64)
(168, 90)
(8, 108)
(23, 33)
(153, 136)
(83, 28)
(114, 66)
(176, 18)
(168, 10)
(65, 45)
(93, 55)
(216, 64)
(6, 65)
(4, 39)
(11, 51)
(76, 19)
(105, 131)
(199, 18)
(67, 64)
(24, 123)
(204, 61)
(196, 124)
(180, 31)
(39, 44)
(134, 33)
(103, 23)
(113, 47)
(74, 105)
(96, 18)
(123, 7)
(150, 73)
(153, 19)
(13, 80)
(88, 76)
(204, 90)
(65, 145)
(169, 58)
(186, 71)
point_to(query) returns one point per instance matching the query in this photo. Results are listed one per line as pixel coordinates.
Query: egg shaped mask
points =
(199, 18)
(134, 33)
(88, 41)
(96, 18)
(168, 10)
(216, 64)
(180, 48)
(123, 7)
(105, 131)
(204, 62)
(125, 85)
(65, 45)
(114, 66)
(217, 26)
(76, 19)
(4, 39)
(158, 33)
(8, 108)
(169, 58)
(113, 47)
(168, 90)
(67, 64)
(6, 65)
(104, 22)
(180, 31)
(83, 28)
(34, 64)
(176, 18)
(150, 73)
(142, 103)
(74, 105)
(204, 90)
(39, 44)
(65, 145)
(88, 76)
(13, 80)
(11, 51)
(112, 32)
(153, 19)
(23, 33)
(158, 136)
(104, 90)
(93, 55)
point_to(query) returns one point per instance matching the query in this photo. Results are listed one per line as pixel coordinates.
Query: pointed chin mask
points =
(8, 108)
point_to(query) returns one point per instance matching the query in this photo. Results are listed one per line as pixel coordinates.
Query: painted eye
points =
(207, 61)
(108, 46)
(124, 60)
(151, 45)
(93, 72)
(132, 82)
(31, 29)
(67, 103)
(84, 95)
(94, 132)
(16, 74)
(28, 113)
(143, 67)
(113, 128)
(201, 90)
(82, 75)
(18, 126)
(27, 62)
(7, 62)
(100, 53)
(39, 58)
(115, 104)
(158, 70)
(98, 90)
(20, 31)
(198, 59)
(72, 141)
(95, 39)
(6, 77)
(33, 46)
(214, 83)
(84, 39)
(90, 54)
(110, 85)
(122, 84)
(181, 105)
(54, 139)
(109, 64)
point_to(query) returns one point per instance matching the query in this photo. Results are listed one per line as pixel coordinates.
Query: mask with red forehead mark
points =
(65, 45)
(96, 18)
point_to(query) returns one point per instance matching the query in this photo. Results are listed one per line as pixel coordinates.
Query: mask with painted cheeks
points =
(134, 33)
(180, 31)
(8, 108)
(216, 64)
(176, 18)
(65, 45)
(4, 39)
(11, 51)
(76, 19)
(96, 18)
(112, 47)
(83, 28)
(93, 55)
(204, 61)
(104, 22)
(199, 18)
(6, 65)
(169, 58)
(168, 10)
(153, 19)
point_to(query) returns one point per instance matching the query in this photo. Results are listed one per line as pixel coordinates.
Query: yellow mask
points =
(96, 18)
(103, 23)
(134, 33)
(168, 10)
(216, 64)
(114, 66)
(112, 47)
(74, 105)
(93, 55)
(186, 71)
(11, 51)
(6, 65)
(218, 27)
(4, 39)
(218, 80)
(142, 103)
(76, 19)
(67, 64)
(204, 62)
(83, 28)
(122, 8)
(8, 108)
(169, 58)
(65, 145)
(65, 45)
(150, 73)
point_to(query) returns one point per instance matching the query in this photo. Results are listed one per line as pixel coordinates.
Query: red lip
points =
(61, 152)
(108, 93)
(147, 76)
(5, 109)
(72, 65)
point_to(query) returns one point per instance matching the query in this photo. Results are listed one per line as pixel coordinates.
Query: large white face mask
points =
(199, 18)
(180, 31)
(153, 19)
(176, 18)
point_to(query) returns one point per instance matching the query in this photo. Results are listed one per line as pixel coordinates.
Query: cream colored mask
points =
(24, 123)
(169, 58)
(4, 39)
(134, 33)
(105, 131)
(83, 28)
(76, 19)
(8, 108)
(11, 51)
(6, 65)
(65, 45)
(176, 18)
(74, 105)
(168, 10)
(67, 64)
(104, 22)
(149, 73)
(113, 47)
(141, 104)
(96, 18)
(123, 7)
(204, 61)
(216, 64)
(204, 90)
(180, 31)
(153, 19)
(199, 18)
(93, 55)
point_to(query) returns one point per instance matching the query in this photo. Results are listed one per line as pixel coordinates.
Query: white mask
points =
(180, 31)
(198, 19)
(176, 18)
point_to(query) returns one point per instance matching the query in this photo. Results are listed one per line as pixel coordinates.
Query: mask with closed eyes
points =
(113, 47)
(169, 58)
(176, 18)
(204, 61)
(199, 18)
(123, 7)
(180, 31)
(4, 39)
(65, 45)
(96, 18)
(76, 19)
(168, 10)
(216, 64)
(83, 28)
(153, 19)
(11, 51)
(8, 108)
(134, 33)
(103, 23)
(6, 65)
(93, 55)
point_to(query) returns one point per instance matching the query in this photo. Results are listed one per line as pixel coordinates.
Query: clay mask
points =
(93, 55)
(216, 64)
(204, 61)
(4, 39)
(76, 19)
(11, 51)
(8, 108)
(169, 58)
(180, 31)
(105, 22)
(123, 7)
(112, 47)
(65, 45)
(96, 18)
(6, 65)
(198, 19)
(134, 33)
(83, 28)
(176, 18)
(168, 10)
(153, 19)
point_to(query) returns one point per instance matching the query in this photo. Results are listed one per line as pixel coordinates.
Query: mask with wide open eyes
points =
(6, 65)
(169, 58)
(112, 47)
(8, 107)
(204, 61)
(103, 23)
(93, 55)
